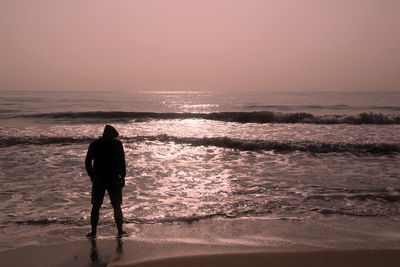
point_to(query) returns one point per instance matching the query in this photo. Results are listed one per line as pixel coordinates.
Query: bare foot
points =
(121, 233)
(91, 234)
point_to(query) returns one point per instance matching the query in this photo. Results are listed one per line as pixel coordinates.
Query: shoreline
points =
(327, 233)
(128, 252)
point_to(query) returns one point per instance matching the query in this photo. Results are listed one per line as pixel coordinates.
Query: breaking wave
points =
(223, 142)
(28, 140)
(240, 117)
(322, 107)
(240, 212)
(258, 145)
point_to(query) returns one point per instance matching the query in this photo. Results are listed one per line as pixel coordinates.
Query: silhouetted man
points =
(107, 173)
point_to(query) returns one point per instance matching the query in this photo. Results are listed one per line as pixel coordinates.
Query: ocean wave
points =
(81, 222)
(7, 111)
(258, 145)
(223, 142)
(375, 196)
(240, 117)
(47, 221)
(322, 107)
(28, 140)
(355, 213)
(252, 212)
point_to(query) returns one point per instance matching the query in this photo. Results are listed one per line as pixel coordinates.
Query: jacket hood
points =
(110, 132)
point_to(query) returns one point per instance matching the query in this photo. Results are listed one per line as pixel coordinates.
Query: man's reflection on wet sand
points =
(119, 249)
(94, 255)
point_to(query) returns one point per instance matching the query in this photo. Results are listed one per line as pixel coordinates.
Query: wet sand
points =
(117, 252)
(282, 259)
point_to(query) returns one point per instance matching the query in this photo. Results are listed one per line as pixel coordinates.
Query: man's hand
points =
(122, 181)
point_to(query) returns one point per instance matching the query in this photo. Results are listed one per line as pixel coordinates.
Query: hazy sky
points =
(200, 45)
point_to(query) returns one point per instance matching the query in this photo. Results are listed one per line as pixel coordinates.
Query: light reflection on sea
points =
(173, 181)
(179, 176)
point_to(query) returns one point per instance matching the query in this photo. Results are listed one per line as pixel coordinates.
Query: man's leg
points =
(94, 219)
(115, 193)
(118, 217)
(97, 199)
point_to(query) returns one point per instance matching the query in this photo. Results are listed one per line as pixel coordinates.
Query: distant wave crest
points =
(28, 140)
(223, 142)
(258, 145)
(240, 117)
(322, 107)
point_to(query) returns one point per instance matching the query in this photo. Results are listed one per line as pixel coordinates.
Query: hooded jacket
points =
(107, 154)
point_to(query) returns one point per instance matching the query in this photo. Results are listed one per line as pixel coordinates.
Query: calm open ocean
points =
(275, 168)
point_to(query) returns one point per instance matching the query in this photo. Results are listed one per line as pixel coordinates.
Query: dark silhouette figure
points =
(106, 173)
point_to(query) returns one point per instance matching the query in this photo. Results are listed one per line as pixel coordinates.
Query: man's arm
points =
(122, 165)
(88, 162)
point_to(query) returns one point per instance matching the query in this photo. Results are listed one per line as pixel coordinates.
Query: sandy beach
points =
(119, 252)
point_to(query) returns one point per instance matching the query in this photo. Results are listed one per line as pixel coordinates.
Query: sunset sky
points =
(227, 45)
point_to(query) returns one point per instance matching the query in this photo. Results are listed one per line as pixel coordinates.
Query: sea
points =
(235, 168)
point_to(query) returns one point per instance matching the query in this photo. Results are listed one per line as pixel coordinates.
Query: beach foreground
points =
(119, 252)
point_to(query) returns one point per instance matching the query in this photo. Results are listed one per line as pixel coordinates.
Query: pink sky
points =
(257, 45)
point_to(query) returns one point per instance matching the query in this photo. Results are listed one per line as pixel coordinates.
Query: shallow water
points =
(186, 171)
